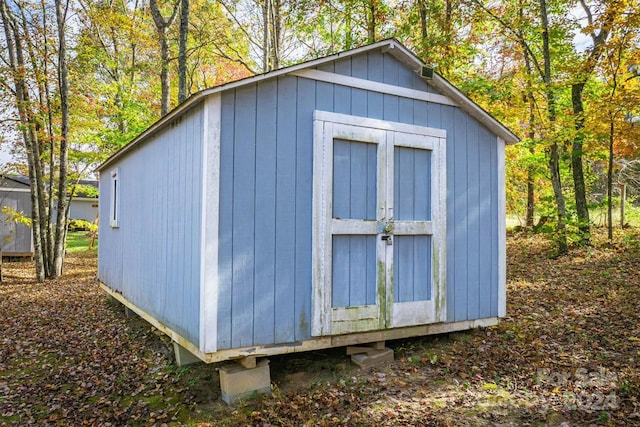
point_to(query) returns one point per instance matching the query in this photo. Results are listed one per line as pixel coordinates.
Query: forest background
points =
(80, 78)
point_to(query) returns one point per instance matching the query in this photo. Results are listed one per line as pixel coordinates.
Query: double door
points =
(379, 224)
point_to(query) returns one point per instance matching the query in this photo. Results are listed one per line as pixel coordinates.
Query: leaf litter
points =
(566, 354)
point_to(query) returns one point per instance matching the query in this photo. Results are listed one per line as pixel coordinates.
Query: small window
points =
(115, 198)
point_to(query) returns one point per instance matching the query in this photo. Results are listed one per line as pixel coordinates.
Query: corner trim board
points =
(212, 110)
(502, 231)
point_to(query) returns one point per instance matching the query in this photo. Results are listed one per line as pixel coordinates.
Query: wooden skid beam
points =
(307, 345)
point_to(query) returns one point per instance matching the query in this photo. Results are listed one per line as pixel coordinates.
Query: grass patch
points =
(78, 241)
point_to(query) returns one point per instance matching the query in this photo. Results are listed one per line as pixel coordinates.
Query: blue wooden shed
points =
(16, 239)
(350, 199)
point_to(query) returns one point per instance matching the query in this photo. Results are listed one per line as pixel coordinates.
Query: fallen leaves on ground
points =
(566, 354)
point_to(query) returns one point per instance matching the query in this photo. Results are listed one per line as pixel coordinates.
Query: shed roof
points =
(21, 179)
(24, 180)
(391, 46)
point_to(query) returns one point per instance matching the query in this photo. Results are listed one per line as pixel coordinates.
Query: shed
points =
(350, 199)
(16, 239)
(84, 204)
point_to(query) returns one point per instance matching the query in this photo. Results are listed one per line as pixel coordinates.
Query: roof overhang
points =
(391, 46)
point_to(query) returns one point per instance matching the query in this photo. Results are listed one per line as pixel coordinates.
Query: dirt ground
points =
(566, 354)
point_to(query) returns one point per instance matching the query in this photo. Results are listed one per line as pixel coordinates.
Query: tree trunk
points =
(348, 37)
(554, 152)
(599, 39)
(162, 26)
(265, 36)
(45, 99)
(29, 137)
(63, 85)
(371, 22)
(610, 182)
(165, 86)
(182, 55)
(576, 163)
(531, 103)
(276, 34)
(531, 200)
(623, 200)
(422, 9)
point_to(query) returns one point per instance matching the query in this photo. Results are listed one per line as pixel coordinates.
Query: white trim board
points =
(210, 211)
(373, 86)
(502, 231)
(367, 122)
(15, 190)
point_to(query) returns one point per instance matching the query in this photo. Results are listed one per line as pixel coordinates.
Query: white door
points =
(378, 257)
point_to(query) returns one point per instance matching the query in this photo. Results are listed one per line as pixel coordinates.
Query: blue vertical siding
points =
(153, 258)
(305, 105)
(473, 222)
(354, 197)
(266, 200)
(412, 268)
(354, 270)
(265, 211)
(286, 179)
(226, 221)
(243, 254)
(412, 184)
(354, 180)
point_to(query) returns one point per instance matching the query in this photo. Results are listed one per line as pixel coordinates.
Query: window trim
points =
(114, 205)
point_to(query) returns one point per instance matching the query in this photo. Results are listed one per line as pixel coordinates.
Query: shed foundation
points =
(373, 357)
(237, 382)
(183, 356)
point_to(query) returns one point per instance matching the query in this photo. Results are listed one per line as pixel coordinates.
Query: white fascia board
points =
(15, 190)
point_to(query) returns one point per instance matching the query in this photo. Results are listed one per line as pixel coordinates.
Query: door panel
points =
(354, 273)
(412, 184)
(412, 268)
(413, 227)
(354, 179)
(353, 227)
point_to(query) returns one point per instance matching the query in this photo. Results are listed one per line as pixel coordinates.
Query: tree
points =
(27, 36)
(162, 27)
(620, 96)
(115, 59)
(599, 37)
(520, 29)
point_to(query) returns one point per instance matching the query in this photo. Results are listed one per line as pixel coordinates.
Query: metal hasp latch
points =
(386, 229)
